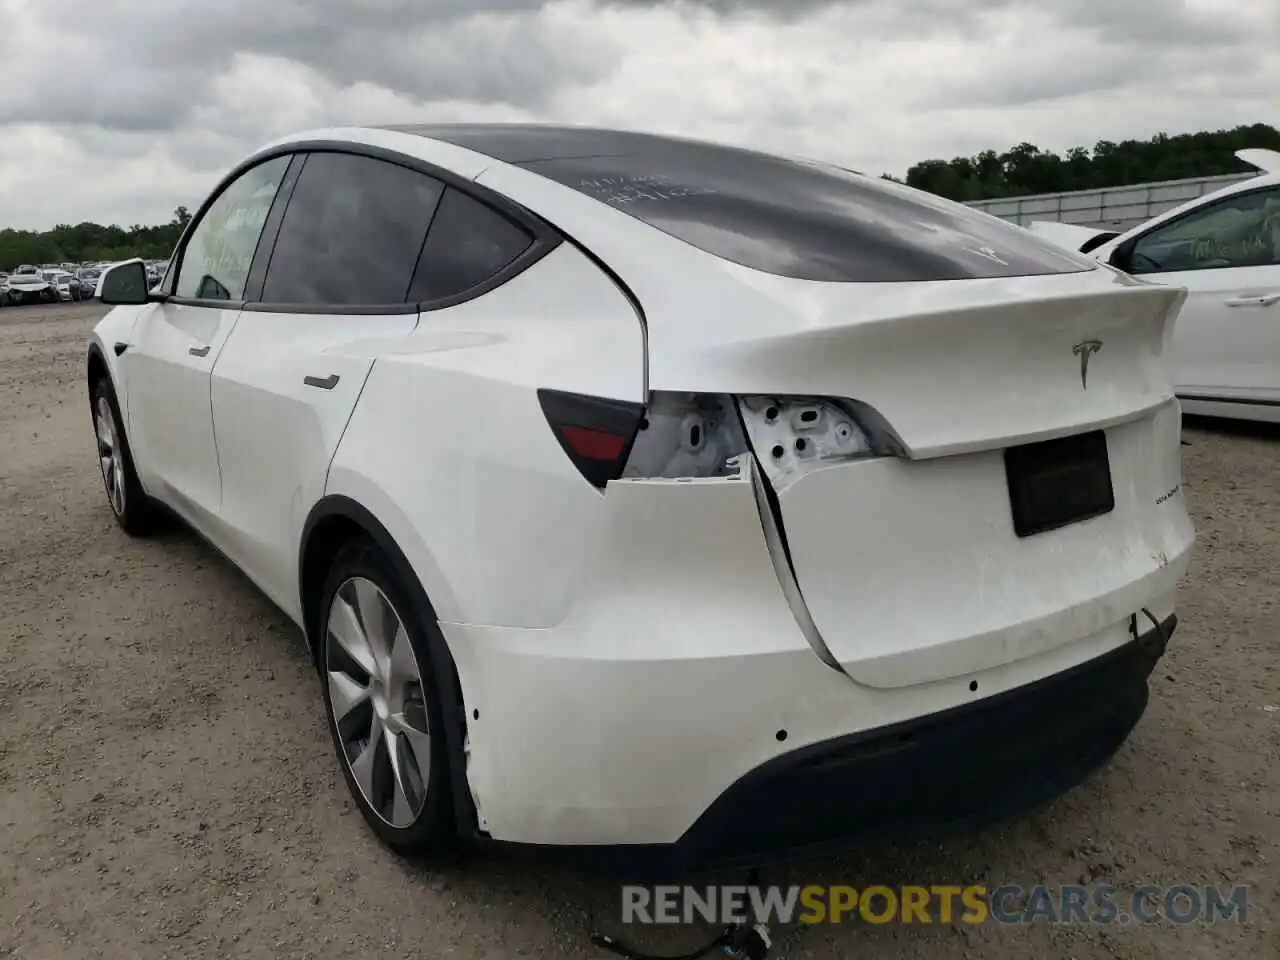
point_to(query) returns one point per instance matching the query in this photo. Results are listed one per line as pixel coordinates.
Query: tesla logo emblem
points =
(988, 254)
(1084, 350)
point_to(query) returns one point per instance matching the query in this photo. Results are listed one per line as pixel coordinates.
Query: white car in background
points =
(1071, 235)
(1224, 248)
(668, 501)
(26, 288)
(61, 281)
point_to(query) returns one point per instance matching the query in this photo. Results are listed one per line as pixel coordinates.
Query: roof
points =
(529, 142)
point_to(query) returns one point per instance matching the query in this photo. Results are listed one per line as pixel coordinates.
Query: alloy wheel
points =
(110, 455)
(378, 702)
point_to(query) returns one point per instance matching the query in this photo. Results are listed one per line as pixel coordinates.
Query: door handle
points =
(324, 383)
(199, 351)
(1264, 300)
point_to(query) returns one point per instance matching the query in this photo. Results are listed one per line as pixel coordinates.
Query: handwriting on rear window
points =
(635, 188)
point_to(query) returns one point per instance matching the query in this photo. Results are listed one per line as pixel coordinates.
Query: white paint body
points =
(632, 652)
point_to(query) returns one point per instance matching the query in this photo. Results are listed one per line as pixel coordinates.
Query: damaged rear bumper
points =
(973, 764)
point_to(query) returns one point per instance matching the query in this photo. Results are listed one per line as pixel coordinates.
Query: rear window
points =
(806, 220)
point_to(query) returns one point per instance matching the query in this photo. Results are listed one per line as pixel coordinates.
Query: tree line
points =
(90, 242)
(1026, 169)
(1019, 171)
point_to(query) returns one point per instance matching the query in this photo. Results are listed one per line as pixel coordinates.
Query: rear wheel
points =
(384, 712)
(133, 509)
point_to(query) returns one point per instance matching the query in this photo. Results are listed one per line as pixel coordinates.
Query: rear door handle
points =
(324, 383)
(199, 351)
(1264, 300)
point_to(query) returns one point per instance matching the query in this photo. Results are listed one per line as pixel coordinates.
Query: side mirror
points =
(1122, 257)
(125, 284)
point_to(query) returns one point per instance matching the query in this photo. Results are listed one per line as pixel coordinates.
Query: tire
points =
(412, 812)
(136, 513)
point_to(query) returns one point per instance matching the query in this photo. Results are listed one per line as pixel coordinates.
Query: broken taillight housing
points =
(793, 435)
(699, 435)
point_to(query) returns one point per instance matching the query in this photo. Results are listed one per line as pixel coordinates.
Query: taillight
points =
(595, 432)
(699, 435)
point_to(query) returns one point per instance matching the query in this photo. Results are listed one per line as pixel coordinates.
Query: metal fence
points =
(1112, 208)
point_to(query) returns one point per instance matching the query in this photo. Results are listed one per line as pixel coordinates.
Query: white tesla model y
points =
(645, 496)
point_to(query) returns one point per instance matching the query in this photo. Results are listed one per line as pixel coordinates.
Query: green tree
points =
(1026, 169)
(90, 242)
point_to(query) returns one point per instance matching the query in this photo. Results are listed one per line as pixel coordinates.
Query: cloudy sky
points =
(119, 110)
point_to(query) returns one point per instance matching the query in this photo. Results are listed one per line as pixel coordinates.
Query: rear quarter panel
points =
(449, 447)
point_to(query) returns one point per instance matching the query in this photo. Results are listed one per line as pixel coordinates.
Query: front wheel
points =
(133, 509)
(383, 708)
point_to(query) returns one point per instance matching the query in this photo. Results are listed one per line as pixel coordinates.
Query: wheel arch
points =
(332, 522)
(96, 365)
(99, 368)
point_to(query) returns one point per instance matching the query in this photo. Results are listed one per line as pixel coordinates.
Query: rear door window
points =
(352, 233)
(805, 220)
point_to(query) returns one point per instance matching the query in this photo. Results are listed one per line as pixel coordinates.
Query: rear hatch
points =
(1034, 498)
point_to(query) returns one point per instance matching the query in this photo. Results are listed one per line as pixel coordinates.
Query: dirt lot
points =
(167, 787)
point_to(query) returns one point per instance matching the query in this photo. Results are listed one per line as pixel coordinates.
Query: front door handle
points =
(1264, 300)
(199, 351)
(324, 383)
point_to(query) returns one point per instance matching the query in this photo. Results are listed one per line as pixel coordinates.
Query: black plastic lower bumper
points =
(974, 764)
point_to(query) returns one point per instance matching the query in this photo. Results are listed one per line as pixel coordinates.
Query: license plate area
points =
(1055, 483)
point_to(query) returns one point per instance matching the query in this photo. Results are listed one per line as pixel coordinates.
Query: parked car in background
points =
(4, 289)
(61, 281)
(1224, 248)
(88, 278)
(659, 498)
(1070, 235)
(31, 288)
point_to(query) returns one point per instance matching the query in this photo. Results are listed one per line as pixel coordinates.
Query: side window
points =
(215, 262)
(1240, 231)
(468, 244)
(351, 234)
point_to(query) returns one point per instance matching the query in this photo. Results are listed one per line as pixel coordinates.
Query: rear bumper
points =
(955, 769)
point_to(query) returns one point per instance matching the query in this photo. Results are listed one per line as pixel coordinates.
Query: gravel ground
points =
(167, 787)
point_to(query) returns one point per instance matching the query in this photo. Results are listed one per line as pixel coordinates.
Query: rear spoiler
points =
(1268, 161)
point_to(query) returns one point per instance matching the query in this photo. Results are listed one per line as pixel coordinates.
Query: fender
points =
(443, 671)
(111, 337)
